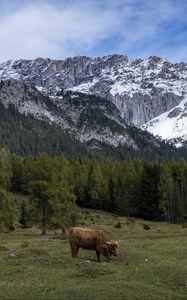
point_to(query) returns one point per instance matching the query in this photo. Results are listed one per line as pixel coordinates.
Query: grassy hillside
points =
(151, 263)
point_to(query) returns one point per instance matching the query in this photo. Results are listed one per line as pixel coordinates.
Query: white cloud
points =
(45, 30)
(57, 29)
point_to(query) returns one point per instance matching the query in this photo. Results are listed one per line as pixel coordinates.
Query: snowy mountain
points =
(71, 123)
(171, 125)
(145, 92)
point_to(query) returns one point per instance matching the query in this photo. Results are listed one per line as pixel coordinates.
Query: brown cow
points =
(91, 239)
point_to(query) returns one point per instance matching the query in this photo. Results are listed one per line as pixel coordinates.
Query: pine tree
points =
(80, 180)
(108, 171)
(149, 203)
(166, 191)
(95, 186)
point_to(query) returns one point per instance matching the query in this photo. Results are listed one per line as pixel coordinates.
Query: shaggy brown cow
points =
(91, 239)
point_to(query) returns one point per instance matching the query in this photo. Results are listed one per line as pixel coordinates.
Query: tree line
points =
(57, 187)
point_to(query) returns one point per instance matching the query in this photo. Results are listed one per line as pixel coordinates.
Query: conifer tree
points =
(95, 186)
(108, 171)
(149, 202)
(166, 191)
(80, 180)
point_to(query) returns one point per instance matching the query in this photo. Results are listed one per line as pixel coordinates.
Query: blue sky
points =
(63, 28)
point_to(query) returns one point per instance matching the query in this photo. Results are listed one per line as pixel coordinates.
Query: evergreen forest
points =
(56, 187)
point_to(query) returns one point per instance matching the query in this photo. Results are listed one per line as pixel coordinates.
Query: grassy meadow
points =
(152, 264)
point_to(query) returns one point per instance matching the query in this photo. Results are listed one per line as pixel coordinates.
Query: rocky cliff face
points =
(140, 89)
(79, 122)
(88, 117)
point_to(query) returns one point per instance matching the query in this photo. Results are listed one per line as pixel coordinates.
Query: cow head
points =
(110, 248)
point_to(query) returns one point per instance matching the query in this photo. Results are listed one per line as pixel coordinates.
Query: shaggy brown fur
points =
(91, 239)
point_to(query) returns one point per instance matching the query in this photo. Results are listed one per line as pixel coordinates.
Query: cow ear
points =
(108, 243)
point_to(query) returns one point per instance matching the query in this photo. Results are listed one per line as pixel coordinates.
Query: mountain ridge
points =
(141, 89)
(94, 127)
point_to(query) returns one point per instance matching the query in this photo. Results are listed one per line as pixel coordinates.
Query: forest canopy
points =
(57, 187)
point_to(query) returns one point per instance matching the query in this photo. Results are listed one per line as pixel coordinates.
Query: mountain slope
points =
(93, 126)
(87, 117)
(94, 118)
(140, 89)
(171, 125)
(25, 135)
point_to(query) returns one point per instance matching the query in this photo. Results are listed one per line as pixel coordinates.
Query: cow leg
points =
(98, 255)
(108, 257)
(74, 250)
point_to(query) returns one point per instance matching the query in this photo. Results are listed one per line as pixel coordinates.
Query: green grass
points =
(152, 264)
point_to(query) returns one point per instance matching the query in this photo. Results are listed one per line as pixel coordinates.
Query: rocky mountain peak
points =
(141, 89)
